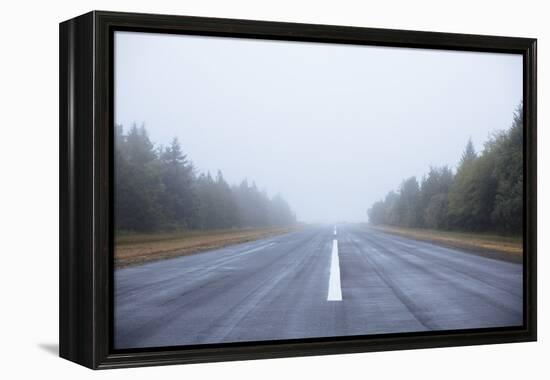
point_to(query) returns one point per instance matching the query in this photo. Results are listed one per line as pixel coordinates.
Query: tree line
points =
(485, 193)
(159, 189)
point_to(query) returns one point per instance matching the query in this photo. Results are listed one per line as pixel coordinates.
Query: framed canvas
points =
(234, 189)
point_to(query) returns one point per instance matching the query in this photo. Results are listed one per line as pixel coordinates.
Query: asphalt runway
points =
(320, 281)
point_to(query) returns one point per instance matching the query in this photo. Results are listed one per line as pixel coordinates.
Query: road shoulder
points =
(491, 246)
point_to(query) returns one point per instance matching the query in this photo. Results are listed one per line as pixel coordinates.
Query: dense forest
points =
(485, 193)
(158, 189)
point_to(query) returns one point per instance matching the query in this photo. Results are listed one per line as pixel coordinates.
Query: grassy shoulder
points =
(133, 249)
(492, 245)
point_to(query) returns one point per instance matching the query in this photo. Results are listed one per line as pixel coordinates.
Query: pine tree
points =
(469, 154)
(139, 186)
(180, 201)
(508, 208)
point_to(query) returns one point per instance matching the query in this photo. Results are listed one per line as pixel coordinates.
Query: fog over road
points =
(317, 282)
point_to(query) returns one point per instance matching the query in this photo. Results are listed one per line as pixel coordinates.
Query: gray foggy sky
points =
(332, 128)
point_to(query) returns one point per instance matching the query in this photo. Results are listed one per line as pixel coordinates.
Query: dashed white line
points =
(334, 286)
(335, 232)
(257, 249)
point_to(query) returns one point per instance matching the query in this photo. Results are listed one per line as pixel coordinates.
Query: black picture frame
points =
(86, 196)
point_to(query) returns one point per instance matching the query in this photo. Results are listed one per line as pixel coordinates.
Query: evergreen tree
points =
(508, 171)
(180, 202)
(377, 213)
(469, 154)
(434, 199)
(227, 213)
(139, 187)
(408, 208)
(437, 212)
(280, 212)
(471, 196)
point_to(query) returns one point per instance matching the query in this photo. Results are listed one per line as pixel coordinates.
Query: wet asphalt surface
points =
(276, 288)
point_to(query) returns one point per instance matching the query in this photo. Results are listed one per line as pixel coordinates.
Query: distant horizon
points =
(326, 126)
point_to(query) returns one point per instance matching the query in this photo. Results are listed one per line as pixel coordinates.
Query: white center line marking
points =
(335, 231)
(334, 287)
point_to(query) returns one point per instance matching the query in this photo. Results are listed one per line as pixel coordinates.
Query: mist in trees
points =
(484, 194)
(158, 189)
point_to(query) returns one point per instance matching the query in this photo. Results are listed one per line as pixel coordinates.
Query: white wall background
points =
(29, 190)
